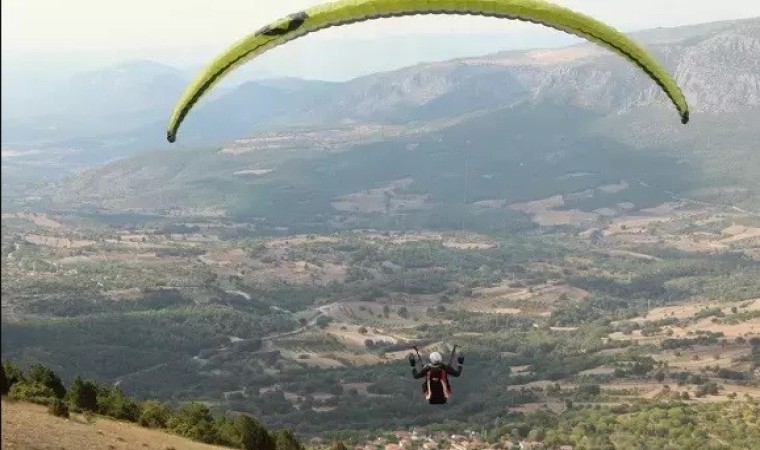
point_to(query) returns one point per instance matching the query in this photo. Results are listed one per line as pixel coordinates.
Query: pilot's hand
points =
(412, 361)
(460, 359)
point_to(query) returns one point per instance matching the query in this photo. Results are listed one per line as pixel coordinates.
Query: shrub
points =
(113, 403)
(32, 392)
(285, 440)
(13, 374)
(194, 421)
(4, 387)
(58, 408)
(44, 376)
(83, 395)
(253, 435)
(154, 415)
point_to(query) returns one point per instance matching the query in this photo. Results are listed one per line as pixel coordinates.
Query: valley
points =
(597, 263)
(642, 307)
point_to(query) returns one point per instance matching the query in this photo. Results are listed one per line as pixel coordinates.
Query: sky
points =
(176, 28)
(29, 25)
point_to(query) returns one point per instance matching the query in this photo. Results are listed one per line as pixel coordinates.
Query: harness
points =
(440, 377)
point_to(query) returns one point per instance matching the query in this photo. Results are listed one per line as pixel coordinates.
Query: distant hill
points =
(102, 102)
(512, 127)
(584, 75)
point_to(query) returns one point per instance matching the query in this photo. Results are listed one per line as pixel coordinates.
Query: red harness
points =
(444, 380)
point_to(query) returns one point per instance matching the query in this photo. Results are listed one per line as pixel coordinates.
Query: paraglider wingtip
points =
(685, 118)
(170, 137)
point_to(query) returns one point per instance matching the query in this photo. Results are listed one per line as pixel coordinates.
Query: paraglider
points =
(437, 388)
(345, 12)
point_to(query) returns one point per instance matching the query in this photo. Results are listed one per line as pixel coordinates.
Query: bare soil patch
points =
(688, 310)
(40, 220)
(545, 212)
(385, 199)
(55, 242)
(737, 233)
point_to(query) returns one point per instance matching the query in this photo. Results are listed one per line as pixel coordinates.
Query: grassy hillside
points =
(89, 409)
(23, 424)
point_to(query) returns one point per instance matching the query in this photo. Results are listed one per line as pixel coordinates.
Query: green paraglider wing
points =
(344, 12)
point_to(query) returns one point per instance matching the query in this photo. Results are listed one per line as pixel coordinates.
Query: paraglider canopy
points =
(344, 12)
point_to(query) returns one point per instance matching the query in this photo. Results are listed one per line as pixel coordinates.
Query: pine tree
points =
(83, 394)
(46, 377)
(285, 440)
(4, 387)
(253, 435)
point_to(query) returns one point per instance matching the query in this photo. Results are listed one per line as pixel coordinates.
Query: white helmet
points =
(436, 358)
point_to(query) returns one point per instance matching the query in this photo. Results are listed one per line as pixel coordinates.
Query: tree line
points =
(193, 420)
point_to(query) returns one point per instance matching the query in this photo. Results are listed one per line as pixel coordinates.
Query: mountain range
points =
(547, 102)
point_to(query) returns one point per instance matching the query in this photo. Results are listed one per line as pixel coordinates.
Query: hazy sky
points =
(31, 25)
(80, 35)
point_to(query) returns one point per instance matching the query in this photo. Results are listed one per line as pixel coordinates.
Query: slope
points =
(23, 425)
